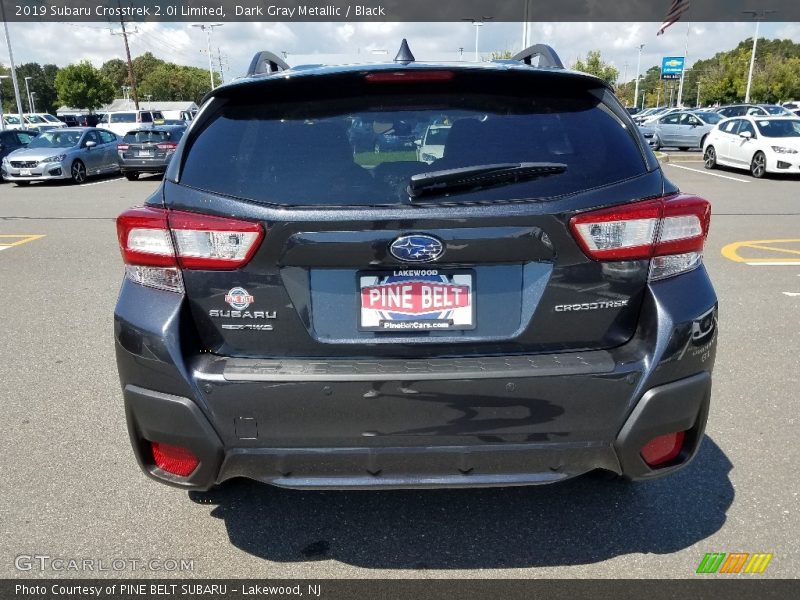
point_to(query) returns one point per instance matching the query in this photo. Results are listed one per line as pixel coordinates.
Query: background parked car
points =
(81, 120)
(52, 122)
(70, 153)
(760, 110)
(683, 129)
(432, 144)
(759, 144)
(12, 122)
(148, 150)
(121, 122)
(12, 139)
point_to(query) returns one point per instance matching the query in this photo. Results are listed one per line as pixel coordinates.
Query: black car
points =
(148, 150)
(80, 120)
(527, 308)
(14, 139)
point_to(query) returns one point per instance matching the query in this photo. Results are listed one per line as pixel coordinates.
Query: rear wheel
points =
(131, 175)
(758, 166)
(710, 157)
(78, 172)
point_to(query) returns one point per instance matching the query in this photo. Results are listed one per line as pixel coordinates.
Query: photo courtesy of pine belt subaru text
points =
(313, 299)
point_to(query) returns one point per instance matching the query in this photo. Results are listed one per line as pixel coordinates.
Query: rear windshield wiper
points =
(479, 176)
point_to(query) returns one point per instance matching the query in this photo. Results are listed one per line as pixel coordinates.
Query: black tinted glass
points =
(365, 151)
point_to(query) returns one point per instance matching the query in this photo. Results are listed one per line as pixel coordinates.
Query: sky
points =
(64, 43)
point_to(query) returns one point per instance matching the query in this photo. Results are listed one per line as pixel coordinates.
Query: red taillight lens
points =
(663, 449)
(144, 237)
(167, 146)
(409, 76)
(174, 459)
(674, 226)
(122, 147)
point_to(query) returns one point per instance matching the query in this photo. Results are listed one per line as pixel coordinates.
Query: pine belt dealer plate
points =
(416, 300)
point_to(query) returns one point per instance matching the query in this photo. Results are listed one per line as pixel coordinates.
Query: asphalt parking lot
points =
(71, 488)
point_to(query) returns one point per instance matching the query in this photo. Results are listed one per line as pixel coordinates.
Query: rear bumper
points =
(678, 406)
(345, 424)
(134, 165)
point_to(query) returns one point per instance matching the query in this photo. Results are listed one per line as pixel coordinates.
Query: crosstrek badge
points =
(416, 300)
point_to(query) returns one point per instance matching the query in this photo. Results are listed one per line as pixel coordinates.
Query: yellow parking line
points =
(23, 239)
(731, 252)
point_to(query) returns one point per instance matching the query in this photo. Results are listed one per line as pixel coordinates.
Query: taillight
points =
(174, 459)
(671, 231)
(168, 146)
(156, 243)
(409, 76)
(122, 147)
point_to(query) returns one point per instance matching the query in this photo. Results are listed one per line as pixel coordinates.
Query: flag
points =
(676, 10)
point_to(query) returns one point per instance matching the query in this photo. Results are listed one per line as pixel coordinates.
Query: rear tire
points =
(758, 166)
(78, 172)
(710, 158)
(132, 176)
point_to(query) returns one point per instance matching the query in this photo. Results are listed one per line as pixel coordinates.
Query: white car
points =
(432, 144)
(123, 121)
(760, 145)
(52, 122)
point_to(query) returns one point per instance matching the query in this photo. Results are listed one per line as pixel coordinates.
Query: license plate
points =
(416, 300)
(25, 172)
(145, 153)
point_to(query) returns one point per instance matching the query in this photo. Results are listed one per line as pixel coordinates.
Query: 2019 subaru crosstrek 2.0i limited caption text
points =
(527, 308)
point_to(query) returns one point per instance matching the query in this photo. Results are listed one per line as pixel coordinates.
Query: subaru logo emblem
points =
(417, 248)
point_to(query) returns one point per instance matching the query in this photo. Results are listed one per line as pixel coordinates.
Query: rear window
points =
(140, 137)
(362, 151)
(123, 117)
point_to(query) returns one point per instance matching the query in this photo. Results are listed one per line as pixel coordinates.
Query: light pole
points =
(2, 120)
(478, 23)
(13, 68)
(208, 29)
(758, 15)
(638, 70)
(28, 91)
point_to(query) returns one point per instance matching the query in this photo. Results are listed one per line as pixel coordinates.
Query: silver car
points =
(684, 129)
(69, 153)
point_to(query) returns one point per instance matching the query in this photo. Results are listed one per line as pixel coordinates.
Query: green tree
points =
(144, 64)
(41, 85)
(116, 71)
(594, 65)
(172, 82)
(82, 86)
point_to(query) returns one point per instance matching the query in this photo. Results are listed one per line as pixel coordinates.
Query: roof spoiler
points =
(547, 56)
(265, 62)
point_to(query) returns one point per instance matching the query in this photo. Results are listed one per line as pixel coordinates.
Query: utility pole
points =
(131, 74)
(759, 16)
(225, 63)
(13, 68)
(638, 71)
(208, 29)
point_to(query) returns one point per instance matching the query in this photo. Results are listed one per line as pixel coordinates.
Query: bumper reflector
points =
(174, 459)
(663, 449)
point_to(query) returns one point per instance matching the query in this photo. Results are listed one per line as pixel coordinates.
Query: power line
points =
(131, 74)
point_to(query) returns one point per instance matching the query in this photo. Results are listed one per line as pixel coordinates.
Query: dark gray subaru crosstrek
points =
(529, 307)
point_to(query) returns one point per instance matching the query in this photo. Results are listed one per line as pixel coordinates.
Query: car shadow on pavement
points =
(581, 521)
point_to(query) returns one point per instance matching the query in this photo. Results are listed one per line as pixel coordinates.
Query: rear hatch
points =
(378, 253)
(148, 144)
